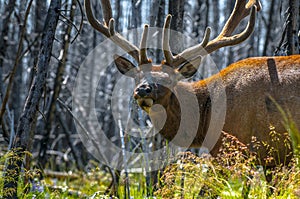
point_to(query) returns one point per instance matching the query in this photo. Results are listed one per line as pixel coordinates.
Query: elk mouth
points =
(145, 103)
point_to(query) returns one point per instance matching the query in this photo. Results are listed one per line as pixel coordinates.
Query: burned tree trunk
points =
(4, 35)
(50, 116)
(292, 28)
(22, 138)
(176, 9)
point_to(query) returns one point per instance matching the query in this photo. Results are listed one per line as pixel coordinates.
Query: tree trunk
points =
(16, 64)
(292, 28)
(136, 17)
(215, 27)
(176, 9)
(39, 20)
(269, 28)
(229, 52)
(50, 117)
(198, 23)
(207, 13)
(159, 23)
(118, 15)
(4, 36)
(20, 144)
(216, 17)
(155, 6)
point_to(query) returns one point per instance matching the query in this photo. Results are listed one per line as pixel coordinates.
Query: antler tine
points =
(93, 21)
(166, 39)
(240, 11)
(143, 46)
(223, 40)
(186, 54)
(194, 51)
(108, 28)
(106, 10)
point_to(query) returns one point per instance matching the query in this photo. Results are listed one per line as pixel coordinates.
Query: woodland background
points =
(43, 124)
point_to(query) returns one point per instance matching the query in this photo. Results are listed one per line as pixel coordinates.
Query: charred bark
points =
(23, 135)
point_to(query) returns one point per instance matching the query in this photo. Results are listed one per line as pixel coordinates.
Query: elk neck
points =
(173, 110)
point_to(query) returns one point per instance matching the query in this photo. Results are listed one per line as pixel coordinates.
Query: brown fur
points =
(250, 112)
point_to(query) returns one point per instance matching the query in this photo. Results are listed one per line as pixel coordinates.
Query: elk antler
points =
(107, 28)
(240, 11)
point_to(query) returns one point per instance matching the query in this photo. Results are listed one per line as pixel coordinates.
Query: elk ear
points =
(125, 66)
(189, 68)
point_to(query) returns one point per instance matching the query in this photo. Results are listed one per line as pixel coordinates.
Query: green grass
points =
(189, 177)
(231, 175)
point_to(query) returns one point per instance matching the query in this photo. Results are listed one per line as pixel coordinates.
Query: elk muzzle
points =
(142, 94)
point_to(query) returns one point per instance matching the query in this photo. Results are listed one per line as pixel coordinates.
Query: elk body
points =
(253, 87)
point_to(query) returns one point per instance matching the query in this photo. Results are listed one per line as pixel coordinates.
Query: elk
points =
(253, 87)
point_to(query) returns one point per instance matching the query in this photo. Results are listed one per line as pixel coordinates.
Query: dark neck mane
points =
(173, 114)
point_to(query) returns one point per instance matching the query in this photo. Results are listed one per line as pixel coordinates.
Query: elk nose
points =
(143, 90)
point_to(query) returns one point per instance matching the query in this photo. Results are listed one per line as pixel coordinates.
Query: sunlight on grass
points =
(233, 174)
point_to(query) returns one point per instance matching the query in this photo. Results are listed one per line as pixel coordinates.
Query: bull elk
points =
(251, 86)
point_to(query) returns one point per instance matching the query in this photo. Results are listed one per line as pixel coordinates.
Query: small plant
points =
(293, 132)
(232, 174)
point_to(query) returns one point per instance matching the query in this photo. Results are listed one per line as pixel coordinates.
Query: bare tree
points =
(39, 19)
(136, 16)
(155, 6)
(60, 70)
(4, 36)
(118, 15)
(176, 9)
(23, 136)
(293, 27)
(269, 28)
(159, 23)
(229, 52)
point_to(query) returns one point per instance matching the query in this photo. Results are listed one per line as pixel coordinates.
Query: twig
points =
(69, 22)
(68, 134)
(81, 21)
(30, 45)
(85, 131)
(18, 58)
(71, 113)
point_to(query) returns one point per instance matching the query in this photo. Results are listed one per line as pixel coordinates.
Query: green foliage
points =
(233, 174)
(230, 175)
(2, 162)
(292, 129)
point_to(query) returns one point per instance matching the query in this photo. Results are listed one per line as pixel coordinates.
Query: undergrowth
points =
(232, 174)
